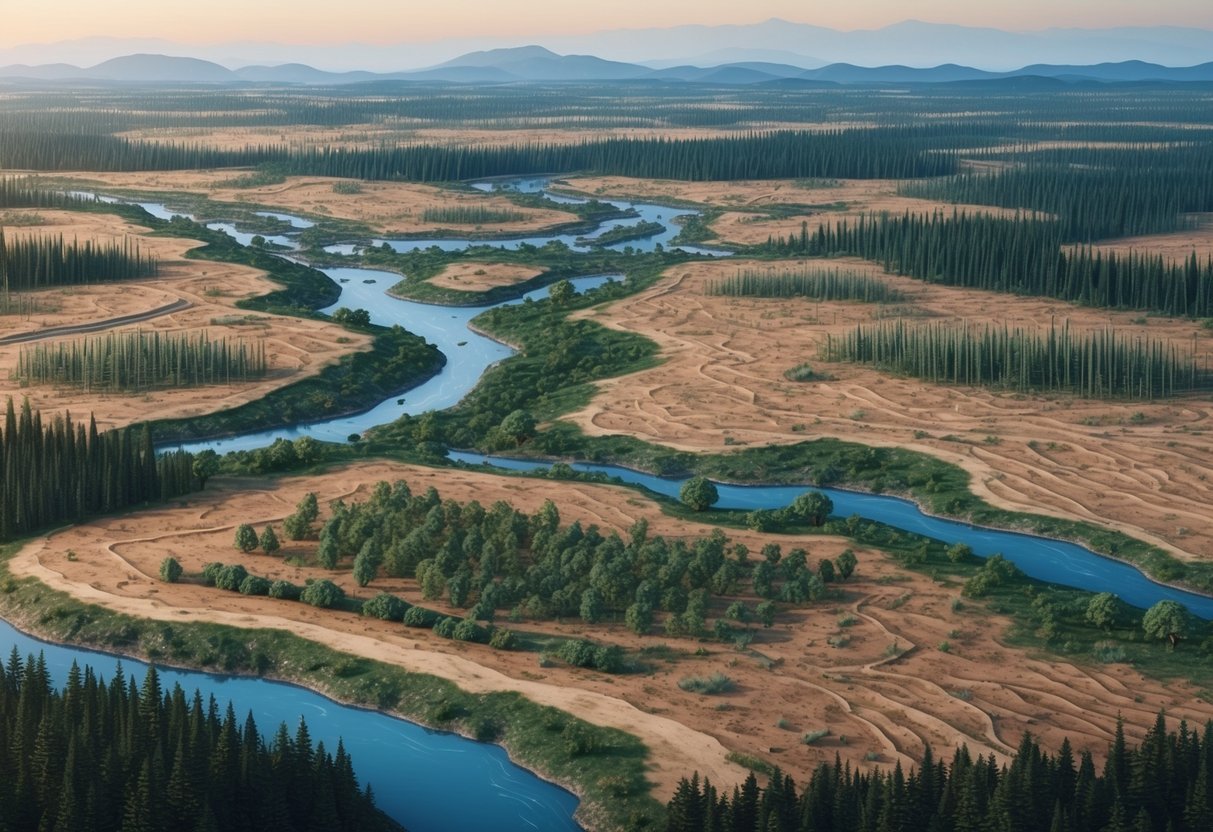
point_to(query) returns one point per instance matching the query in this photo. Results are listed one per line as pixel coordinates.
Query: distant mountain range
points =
(909, 43)
(538, 64)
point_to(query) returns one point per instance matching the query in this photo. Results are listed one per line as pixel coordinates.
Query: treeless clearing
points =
(1139, 467)
(1178, 245)
(826, 202)
(480, 277)
(295, 347)
(387, 207)
(982, 692)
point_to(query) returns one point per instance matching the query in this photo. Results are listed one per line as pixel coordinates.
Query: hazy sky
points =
(399, 21)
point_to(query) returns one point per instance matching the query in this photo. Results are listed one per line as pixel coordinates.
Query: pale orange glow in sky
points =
(401, 21)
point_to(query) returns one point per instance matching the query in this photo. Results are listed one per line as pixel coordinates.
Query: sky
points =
(404, 21)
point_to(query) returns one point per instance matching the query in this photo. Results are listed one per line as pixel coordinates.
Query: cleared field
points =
(1136, 466)
(295, 347)
(480, 277)
(885, 702)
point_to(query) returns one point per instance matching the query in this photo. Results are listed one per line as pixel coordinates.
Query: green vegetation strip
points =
(605, 766)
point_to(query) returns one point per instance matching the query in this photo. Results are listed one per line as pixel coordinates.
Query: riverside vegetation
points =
(1070, 196)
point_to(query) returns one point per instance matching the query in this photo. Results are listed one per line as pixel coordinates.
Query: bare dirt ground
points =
(827, 202)
(1140, 467)
(387, 207)
(1179, 245)
(887, 693)
(480, 277)
(295, 347)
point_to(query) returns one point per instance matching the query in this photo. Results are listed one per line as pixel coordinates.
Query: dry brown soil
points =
(480, 277)
(295, 347)
(982, 692)
(1140, 467)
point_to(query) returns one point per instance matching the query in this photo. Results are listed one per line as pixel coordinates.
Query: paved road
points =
(95, 326)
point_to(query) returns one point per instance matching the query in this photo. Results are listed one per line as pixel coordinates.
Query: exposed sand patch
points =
(480, 277)
(1140, 467)
(889, 706)
(295, 347)
(387, 207)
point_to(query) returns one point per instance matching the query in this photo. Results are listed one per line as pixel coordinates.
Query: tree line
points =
(1102, 364)
(1162, 785)
(815, 284)
(135, 361)
(868, 153)
(62, 471)
(121, 755)
(42, 262)
(1024, 255)
(1094, 192)
(496, 560)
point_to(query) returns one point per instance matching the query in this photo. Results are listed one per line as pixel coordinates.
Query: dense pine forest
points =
(1024, 255)
(815, 284)
(1099, 365)
(42, 262)
(136, 361)
(1162, 785)
(854, 154)
(1093, 193)
(61, 471)
(108, 756)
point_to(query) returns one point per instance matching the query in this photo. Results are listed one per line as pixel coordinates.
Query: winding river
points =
(412, 768)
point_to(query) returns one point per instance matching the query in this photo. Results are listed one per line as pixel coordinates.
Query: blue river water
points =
(643, 212)
(1056, 561)
(409, 766)
(411, 769)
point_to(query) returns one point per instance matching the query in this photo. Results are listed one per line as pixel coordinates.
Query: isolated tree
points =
(170, 570)
(246, 538)
(269, 541)
(322, 593)
(699, 493)
(519, 426)
(329, 553)
(959, 553)
(811, 507)
(205, 465)
(562, 292)
(1101, 611)
(846, 563)
(766, 613)
(1166, 620)
(826, 570)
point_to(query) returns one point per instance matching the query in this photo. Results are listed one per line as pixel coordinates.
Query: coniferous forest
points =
(63, 471)
(1162, 785)
(134, 361)
(1100, 365)
(1024, 255)
(42, 262)
(119, 755)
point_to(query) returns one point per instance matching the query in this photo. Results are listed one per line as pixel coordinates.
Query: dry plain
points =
(883, 697)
